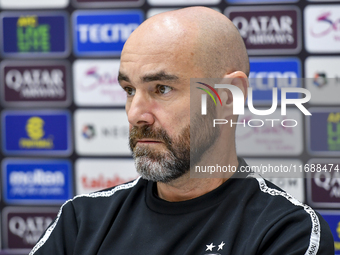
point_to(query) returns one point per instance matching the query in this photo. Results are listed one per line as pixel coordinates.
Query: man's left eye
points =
(163, 89)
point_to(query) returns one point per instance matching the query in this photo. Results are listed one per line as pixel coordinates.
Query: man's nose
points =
(140, 112)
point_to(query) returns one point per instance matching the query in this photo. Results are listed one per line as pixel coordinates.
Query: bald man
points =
(165, 211)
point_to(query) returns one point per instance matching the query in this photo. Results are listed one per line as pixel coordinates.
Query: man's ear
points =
(238, 79)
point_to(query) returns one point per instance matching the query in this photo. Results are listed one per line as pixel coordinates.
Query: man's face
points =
(156, 78)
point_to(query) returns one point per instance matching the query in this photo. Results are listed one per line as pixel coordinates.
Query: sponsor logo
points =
(96, 83)
(101, 132)
(268, 30)
(88, 131)
(103, 33)
(22, 226)
(323, 186)
(333, 131)
(323, 79)
(324, 131)
(269, 73)
(292, 183)
(270, 139)
(260, 1)
(36, 132)
(37, 181)
(320, 79)
(35, 84)
(333, 220)
(107, 3)
(35, 34)
(322, 28)
(182, 2)
(34, 4)
(154, 11)
(109, 173)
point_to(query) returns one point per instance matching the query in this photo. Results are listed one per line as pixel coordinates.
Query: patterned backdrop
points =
(64, 129)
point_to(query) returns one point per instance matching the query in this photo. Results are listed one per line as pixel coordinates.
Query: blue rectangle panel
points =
(324, 131)
(35, 34)
(27, 181)
(267, 73)
(103, 33)
(333, 220)
(36, 133)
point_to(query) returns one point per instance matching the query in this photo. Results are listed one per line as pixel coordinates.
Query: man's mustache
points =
(148, 132)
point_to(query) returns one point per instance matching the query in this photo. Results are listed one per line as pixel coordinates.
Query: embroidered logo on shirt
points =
(211, 247)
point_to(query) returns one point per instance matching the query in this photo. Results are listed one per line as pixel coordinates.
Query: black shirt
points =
(242, 216)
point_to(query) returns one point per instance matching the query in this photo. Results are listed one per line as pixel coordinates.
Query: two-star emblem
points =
(211, 246)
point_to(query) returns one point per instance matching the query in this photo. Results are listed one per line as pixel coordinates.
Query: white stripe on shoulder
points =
(91, 195)
(314, 242)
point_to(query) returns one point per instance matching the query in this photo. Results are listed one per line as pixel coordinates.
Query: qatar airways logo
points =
(238, 105)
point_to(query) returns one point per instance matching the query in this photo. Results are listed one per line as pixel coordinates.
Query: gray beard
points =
(166, 166)
(165, 170)
(183, 152)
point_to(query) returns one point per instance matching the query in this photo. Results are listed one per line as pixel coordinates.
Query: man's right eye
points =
(130, 91)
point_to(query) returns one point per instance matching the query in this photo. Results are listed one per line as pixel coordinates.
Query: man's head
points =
(157, 62)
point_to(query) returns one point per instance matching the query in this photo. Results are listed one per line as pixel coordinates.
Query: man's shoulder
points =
(267, 193)
(282, 216)
(116, 194)
(272, 204)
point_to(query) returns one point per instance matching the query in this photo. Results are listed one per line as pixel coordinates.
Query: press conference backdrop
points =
(64, 129)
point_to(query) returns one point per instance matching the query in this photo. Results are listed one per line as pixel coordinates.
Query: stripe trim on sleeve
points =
(314, 242)
(91, 195)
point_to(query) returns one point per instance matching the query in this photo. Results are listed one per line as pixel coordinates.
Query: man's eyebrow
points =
(160, 76)
(123, 77)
